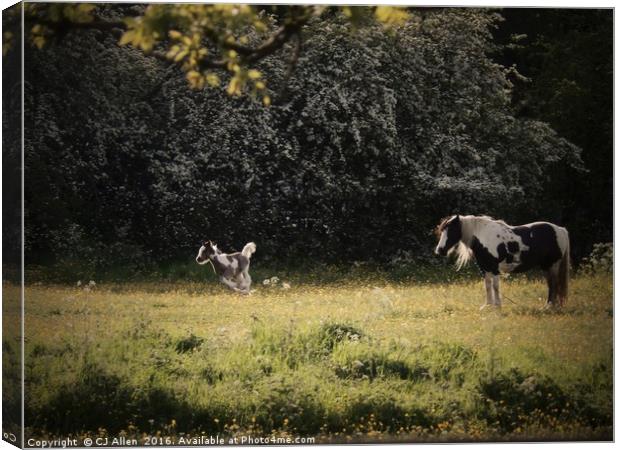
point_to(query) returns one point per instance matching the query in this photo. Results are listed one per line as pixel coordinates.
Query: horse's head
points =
(448, 233)
(207, 250)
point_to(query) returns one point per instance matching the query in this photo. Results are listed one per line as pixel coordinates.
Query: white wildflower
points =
(266, 281)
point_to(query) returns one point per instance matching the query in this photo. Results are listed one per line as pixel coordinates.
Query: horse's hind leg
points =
(248, 280)
(229, 283)
(552, 275)
(245, 281)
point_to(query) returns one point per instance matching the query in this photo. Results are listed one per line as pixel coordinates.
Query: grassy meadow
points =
(357, 358)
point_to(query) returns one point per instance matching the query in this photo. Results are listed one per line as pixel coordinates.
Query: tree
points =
(378, 136)
(566, 57)
(204, 40)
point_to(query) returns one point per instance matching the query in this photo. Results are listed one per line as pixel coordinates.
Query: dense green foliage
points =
(566, 55)
(376, 136)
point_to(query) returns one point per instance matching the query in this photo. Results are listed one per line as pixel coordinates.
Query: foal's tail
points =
(564, 271)
(249, 249)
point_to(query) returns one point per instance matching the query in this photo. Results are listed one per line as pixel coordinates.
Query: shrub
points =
(600, 260)
(378, 136)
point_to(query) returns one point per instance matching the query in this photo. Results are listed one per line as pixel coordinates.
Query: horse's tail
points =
(564, 270)
(249, 249)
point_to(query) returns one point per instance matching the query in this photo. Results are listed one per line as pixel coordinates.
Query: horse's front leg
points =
(498, 298)
(488, 284)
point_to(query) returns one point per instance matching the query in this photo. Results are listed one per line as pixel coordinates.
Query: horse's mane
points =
(463, 253)
(444, 221)
(492, 219)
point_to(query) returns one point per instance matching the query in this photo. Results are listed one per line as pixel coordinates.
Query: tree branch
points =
(291, 67)
(248, 54)
(276, 41)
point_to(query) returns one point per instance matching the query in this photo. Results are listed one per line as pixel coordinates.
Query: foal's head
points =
(448, 233)
(207, 250)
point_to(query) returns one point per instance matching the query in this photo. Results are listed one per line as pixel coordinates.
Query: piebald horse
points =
(499, 247)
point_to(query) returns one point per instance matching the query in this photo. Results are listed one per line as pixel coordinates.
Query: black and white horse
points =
(498, 247)
(232, 269)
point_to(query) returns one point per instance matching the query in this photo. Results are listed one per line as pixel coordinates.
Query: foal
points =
(232, 269)
(499, 247)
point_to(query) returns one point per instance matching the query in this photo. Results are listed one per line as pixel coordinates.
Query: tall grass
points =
(356, 359)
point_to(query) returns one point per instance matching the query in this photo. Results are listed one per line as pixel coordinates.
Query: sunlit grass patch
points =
(361, 359)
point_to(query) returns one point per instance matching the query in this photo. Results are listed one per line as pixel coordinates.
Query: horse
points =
(501, 248)
(233, 269)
